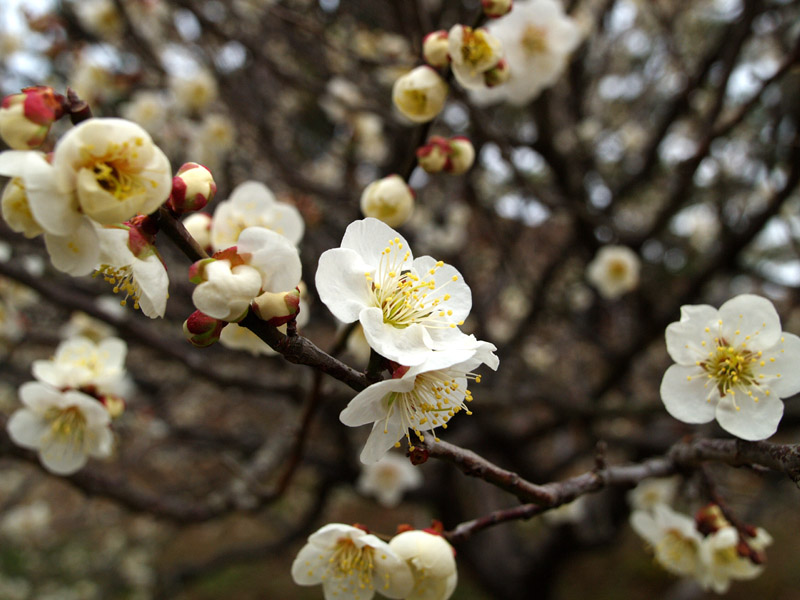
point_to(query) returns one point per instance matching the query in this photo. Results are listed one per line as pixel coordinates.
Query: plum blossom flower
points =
(473, 53)
(252, 204)
(432, 564)
(113, 168)
(723, 561)
(351, 564)
(673, 537)
(537, 39)
(388, 479)
(406, 306)
(652, 492)
(614, 271)
(733, 364)
(262, 261)
(80, 363)
(130, 262)
(420, 94)
(25, 118)
(66, 428)
(418, 398)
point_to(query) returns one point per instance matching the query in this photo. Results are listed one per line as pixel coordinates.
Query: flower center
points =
(352, 565)
(415, 101)
(67, 422)
(534, 39)
(617, 269)
(405, 297)
(435, 398)
(676, 548)
(114, 172)
(730, 367)
(122, 280)
(474, 47)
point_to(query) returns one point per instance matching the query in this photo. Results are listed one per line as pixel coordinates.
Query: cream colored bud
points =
(435, 49)
(199, 227)
(192, 188)
(389, 200)
(16, 210)
(434, 155)
(420, 94)
(277, 308)
(496, 8)
(462, 155)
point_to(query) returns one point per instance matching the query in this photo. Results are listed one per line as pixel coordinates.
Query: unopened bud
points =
(199, 227)
(388, 199)
(496, 8)
(277, 308)
(192, 188)
(16, 210)
(710, 519)
(435, 49)
(201, 330)
(114, 405)
(497, 75)
(462, 155)
(25, 118)
(420, 94)
(433, 156)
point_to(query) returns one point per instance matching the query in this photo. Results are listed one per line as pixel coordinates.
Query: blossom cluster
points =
(349, 562)
(708, 548)
(68, 408)
(411, 310)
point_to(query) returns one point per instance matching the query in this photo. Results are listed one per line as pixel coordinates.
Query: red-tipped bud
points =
(462, 155)
(277, 308)
(498, 74)
(710, 519)
(435, 49)
(434, 155)
(142, 235)
(201, 330)
(25, 118)
(496, 8)
(192, 188)
(418, 455)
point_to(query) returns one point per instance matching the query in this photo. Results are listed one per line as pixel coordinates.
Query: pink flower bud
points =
(192, 188)
(462, 155)
(277, 308)
(496, 8)
(25, 118)
(497, 75)
(434, 155)
(201, 330)
(435, 49)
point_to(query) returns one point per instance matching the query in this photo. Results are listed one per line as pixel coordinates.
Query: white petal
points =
(685, 337)
(370, 404)
(27, 429)
(275, 258)
(370, 237)
(393, 577)
(39, 397)
(152, 282)
(342, 284)
(62, 456)
(382, 438)
(689, 400)
(786, 363)
(752, 420)
(309, 566)
(76, 253)
(460, 301)
(408, 346)
(752, 316)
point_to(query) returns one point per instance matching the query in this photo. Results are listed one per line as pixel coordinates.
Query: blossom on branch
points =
(725, 558)
(420, 94)
(388, 479)
(66, 428)
(733, 365)
(25, 118)
(473, 53)
(673, 537)
(351, 564)
(406, 306)
(614, 271)
(432, 564)
(419, 398)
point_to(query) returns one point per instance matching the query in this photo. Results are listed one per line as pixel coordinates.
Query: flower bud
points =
(115, 405)
(388, 199)
(16, 210)
(192, 188)
(25, 118)
(462, 155)
(277, 308)
(497, 75)
(420, 94)
(201, 330)
(435, 49)
(496, 8)
(433, 156)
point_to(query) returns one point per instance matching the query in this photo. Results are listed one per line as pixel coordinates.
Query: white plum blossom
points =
(66, 428)
(420, 94)
(722, 561)
(36, 203)
(199, 227)
(420, 398)
(253, 204)
(652, 492)
(351, 564)
(406, 306)
(262, 261)
(114, 169)
(473, 52)
(733, 365)
(388, 479)
(614, 271)
(673, 538)
(141, 276)
(81, 363)
(432, 562)
(537, 38)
